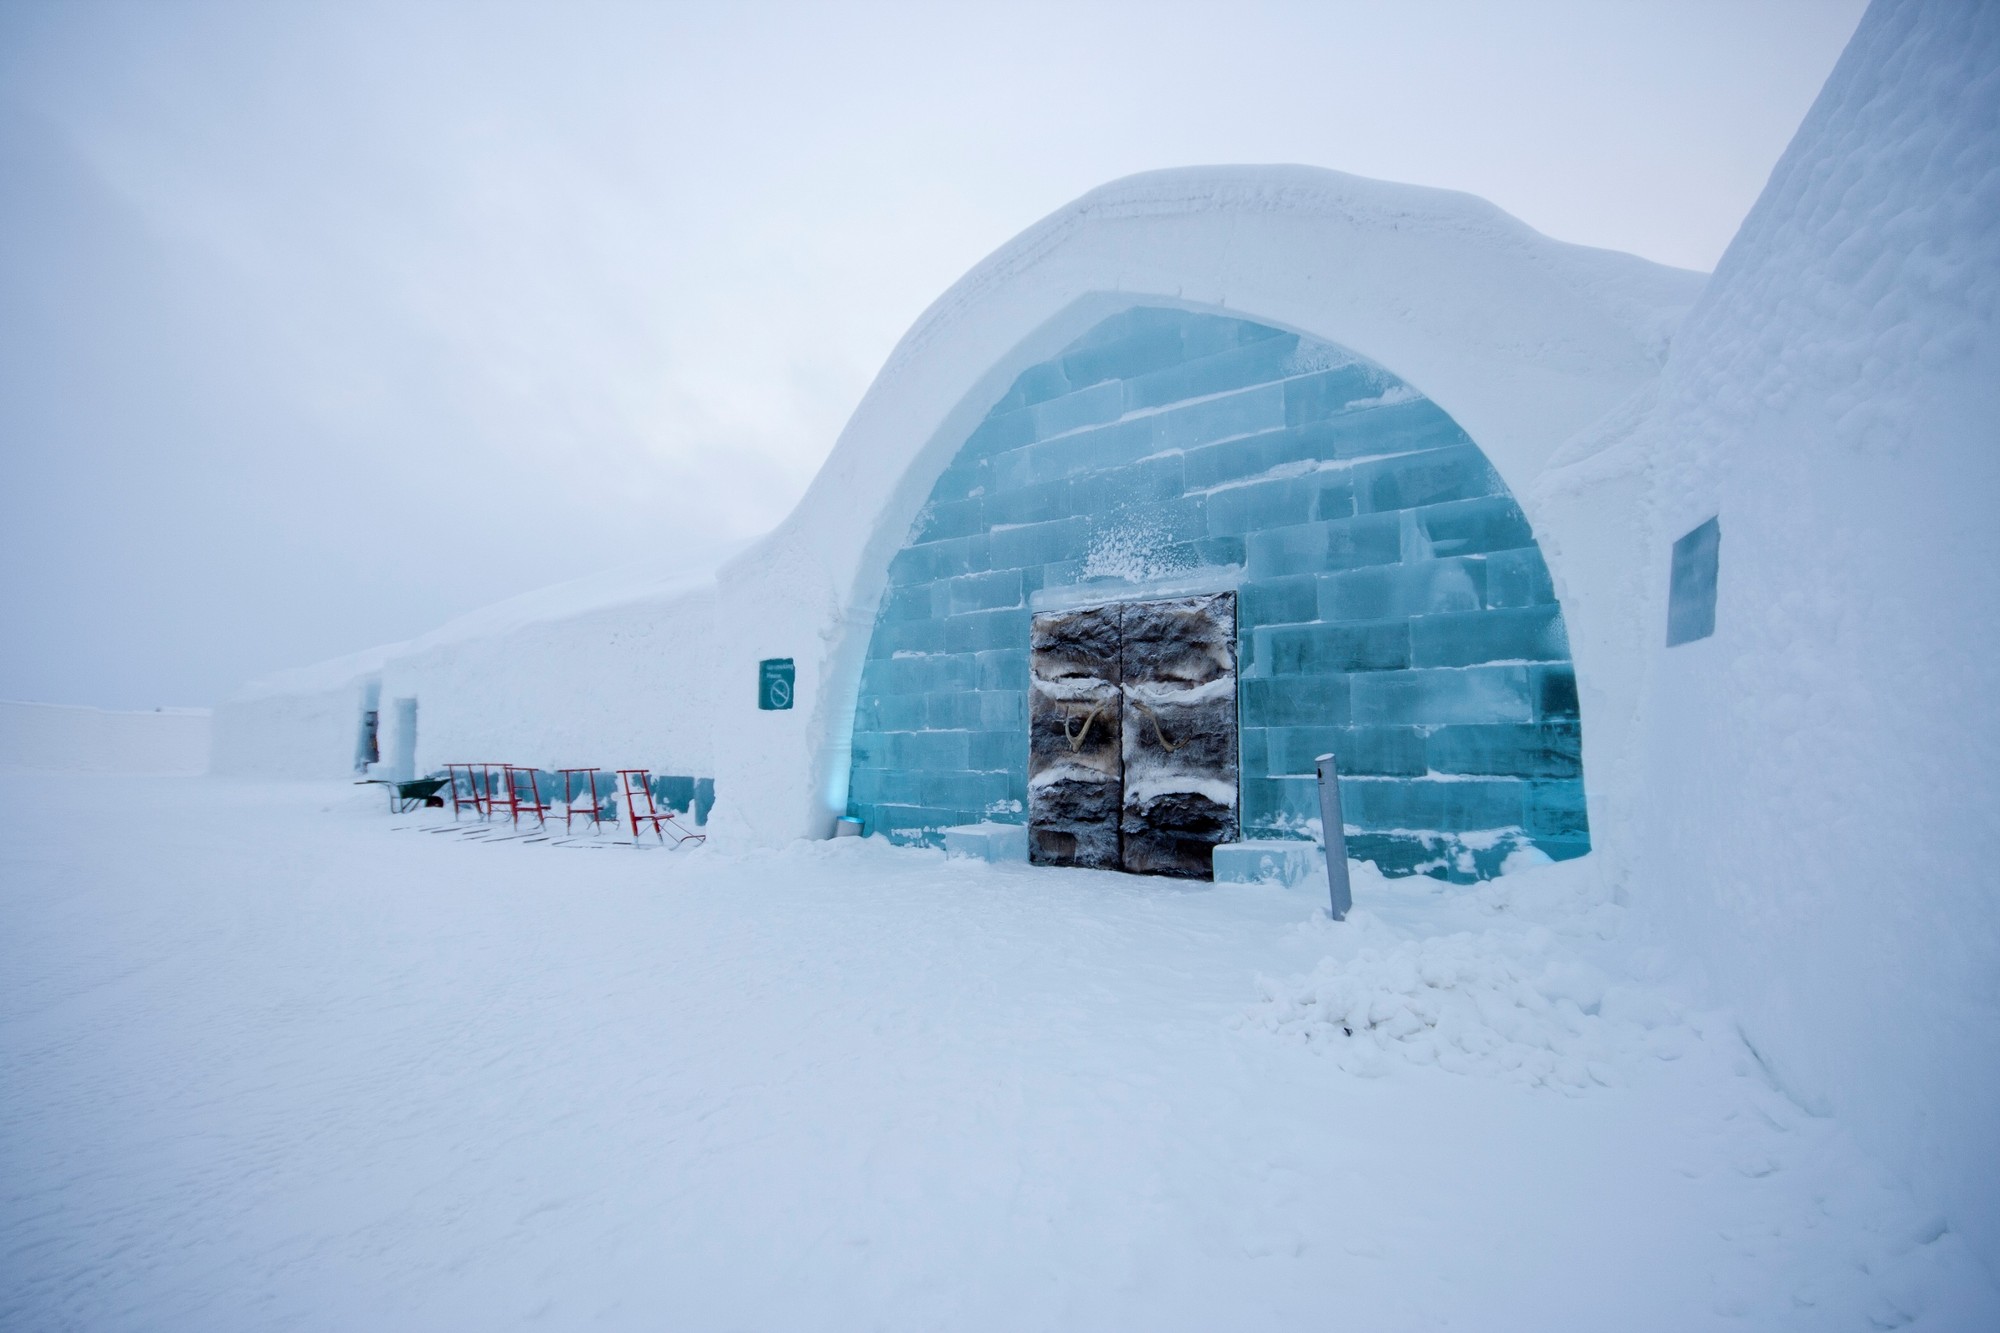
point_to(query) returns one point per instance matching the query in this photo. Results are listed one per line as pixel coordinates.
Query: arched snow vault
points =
(1393, 606)
(1517, 340)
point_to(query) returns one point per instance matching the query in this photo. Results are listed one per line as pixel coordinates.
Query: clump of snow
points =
(1144, 785)
(1523, 858)
(1389, 397)
(1312, 356)
(1508, 998)
(1455, 1002)
(1135, 549)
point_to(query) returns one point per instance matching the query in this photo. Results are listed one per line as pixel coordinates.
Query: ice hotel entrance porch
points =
(1391, 601)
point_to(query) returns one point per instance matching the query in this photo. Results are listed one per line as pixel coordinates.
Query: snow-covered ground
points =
(268, 1061)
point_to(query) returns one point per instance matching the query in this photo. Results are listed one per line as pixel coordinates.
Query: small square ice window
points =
(1691, 595)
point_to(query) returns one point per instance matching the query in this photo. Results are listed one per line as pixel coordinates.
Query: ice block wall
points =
(1394, 607)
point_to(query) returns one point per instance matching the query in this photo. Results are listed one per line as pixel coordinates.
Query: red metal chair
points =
(471, 788)
(595, 811)
(638, 789)
(533, 803)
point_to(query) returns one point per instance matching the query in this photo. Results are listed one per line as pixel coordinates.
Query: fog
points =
(320, 324)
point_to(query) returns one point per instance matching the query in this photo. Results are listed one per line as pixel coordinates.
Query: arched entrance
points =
(1391, 603)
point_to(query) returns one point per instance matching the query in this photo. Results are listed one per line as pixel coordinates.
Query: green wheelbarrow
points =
(407, 796)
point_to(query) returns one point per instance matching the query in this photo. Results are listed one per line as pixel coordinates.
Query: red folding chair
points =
(532, 803)
(638, 788)
(595, 811)
(471, 789)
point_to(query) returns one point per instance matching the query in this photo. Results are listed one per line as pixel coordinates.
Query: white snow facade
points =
(1821, 779)
(613, 671)
(1558, 549)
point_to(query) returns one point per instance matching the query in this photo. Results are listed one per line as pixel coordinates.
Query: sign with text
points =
(775, 676)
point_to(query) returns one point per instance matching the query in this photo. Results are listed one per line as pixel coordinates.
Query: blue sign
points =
(775, 677)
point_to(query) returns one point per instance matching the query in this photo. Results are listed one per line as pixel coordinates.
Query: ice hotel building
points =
(1560, 551)
(1211, 473)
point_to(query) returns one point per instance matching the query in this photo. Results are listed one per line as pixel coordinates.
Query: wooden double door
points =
(1132, 759)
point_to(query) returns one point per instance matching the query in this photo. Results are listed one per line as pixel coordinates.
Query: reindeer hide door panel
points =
(1075, 764)
(1132, 735)
(1178, 680)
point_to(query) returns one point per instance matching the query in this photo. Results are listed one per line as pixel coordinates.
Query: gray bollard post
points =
(1341, 896)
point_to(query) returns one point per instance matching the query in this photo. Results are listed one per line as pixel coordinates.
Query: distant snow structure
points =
(319, 721)
(614, 670)
(66, 738)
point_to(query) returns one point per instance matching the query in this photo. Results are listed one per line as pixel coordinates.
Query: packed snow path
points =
(267, 1063)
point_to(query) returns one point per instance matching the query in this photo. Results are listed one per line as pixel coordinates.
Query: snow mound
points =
(1515, 997)
(1453, 1003)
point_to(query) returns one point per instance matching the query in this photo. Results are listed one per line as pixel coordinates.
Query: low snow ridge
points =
(1454, 1003)
(1503, 1001)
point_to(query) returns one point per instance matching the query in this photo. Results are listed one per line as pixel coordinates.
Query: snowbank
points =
(62, 738)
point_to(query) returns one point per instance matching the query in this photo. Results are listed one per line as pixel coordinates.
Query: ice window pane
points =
(1691, 596)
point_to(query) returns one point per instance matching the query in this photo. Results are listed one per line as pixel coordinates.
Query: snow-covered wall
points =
(616, 670)
(301, 723)
(64, 738)
(625, 685)
(1521, 340)
(1824, 771)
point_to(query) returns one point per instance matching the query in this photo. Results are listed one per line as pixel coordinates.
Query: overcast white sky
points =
(320, 324)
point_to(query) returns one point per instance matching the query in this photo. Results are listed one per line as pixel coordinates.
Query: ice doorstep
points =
(987, 842)
(1286, 861)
